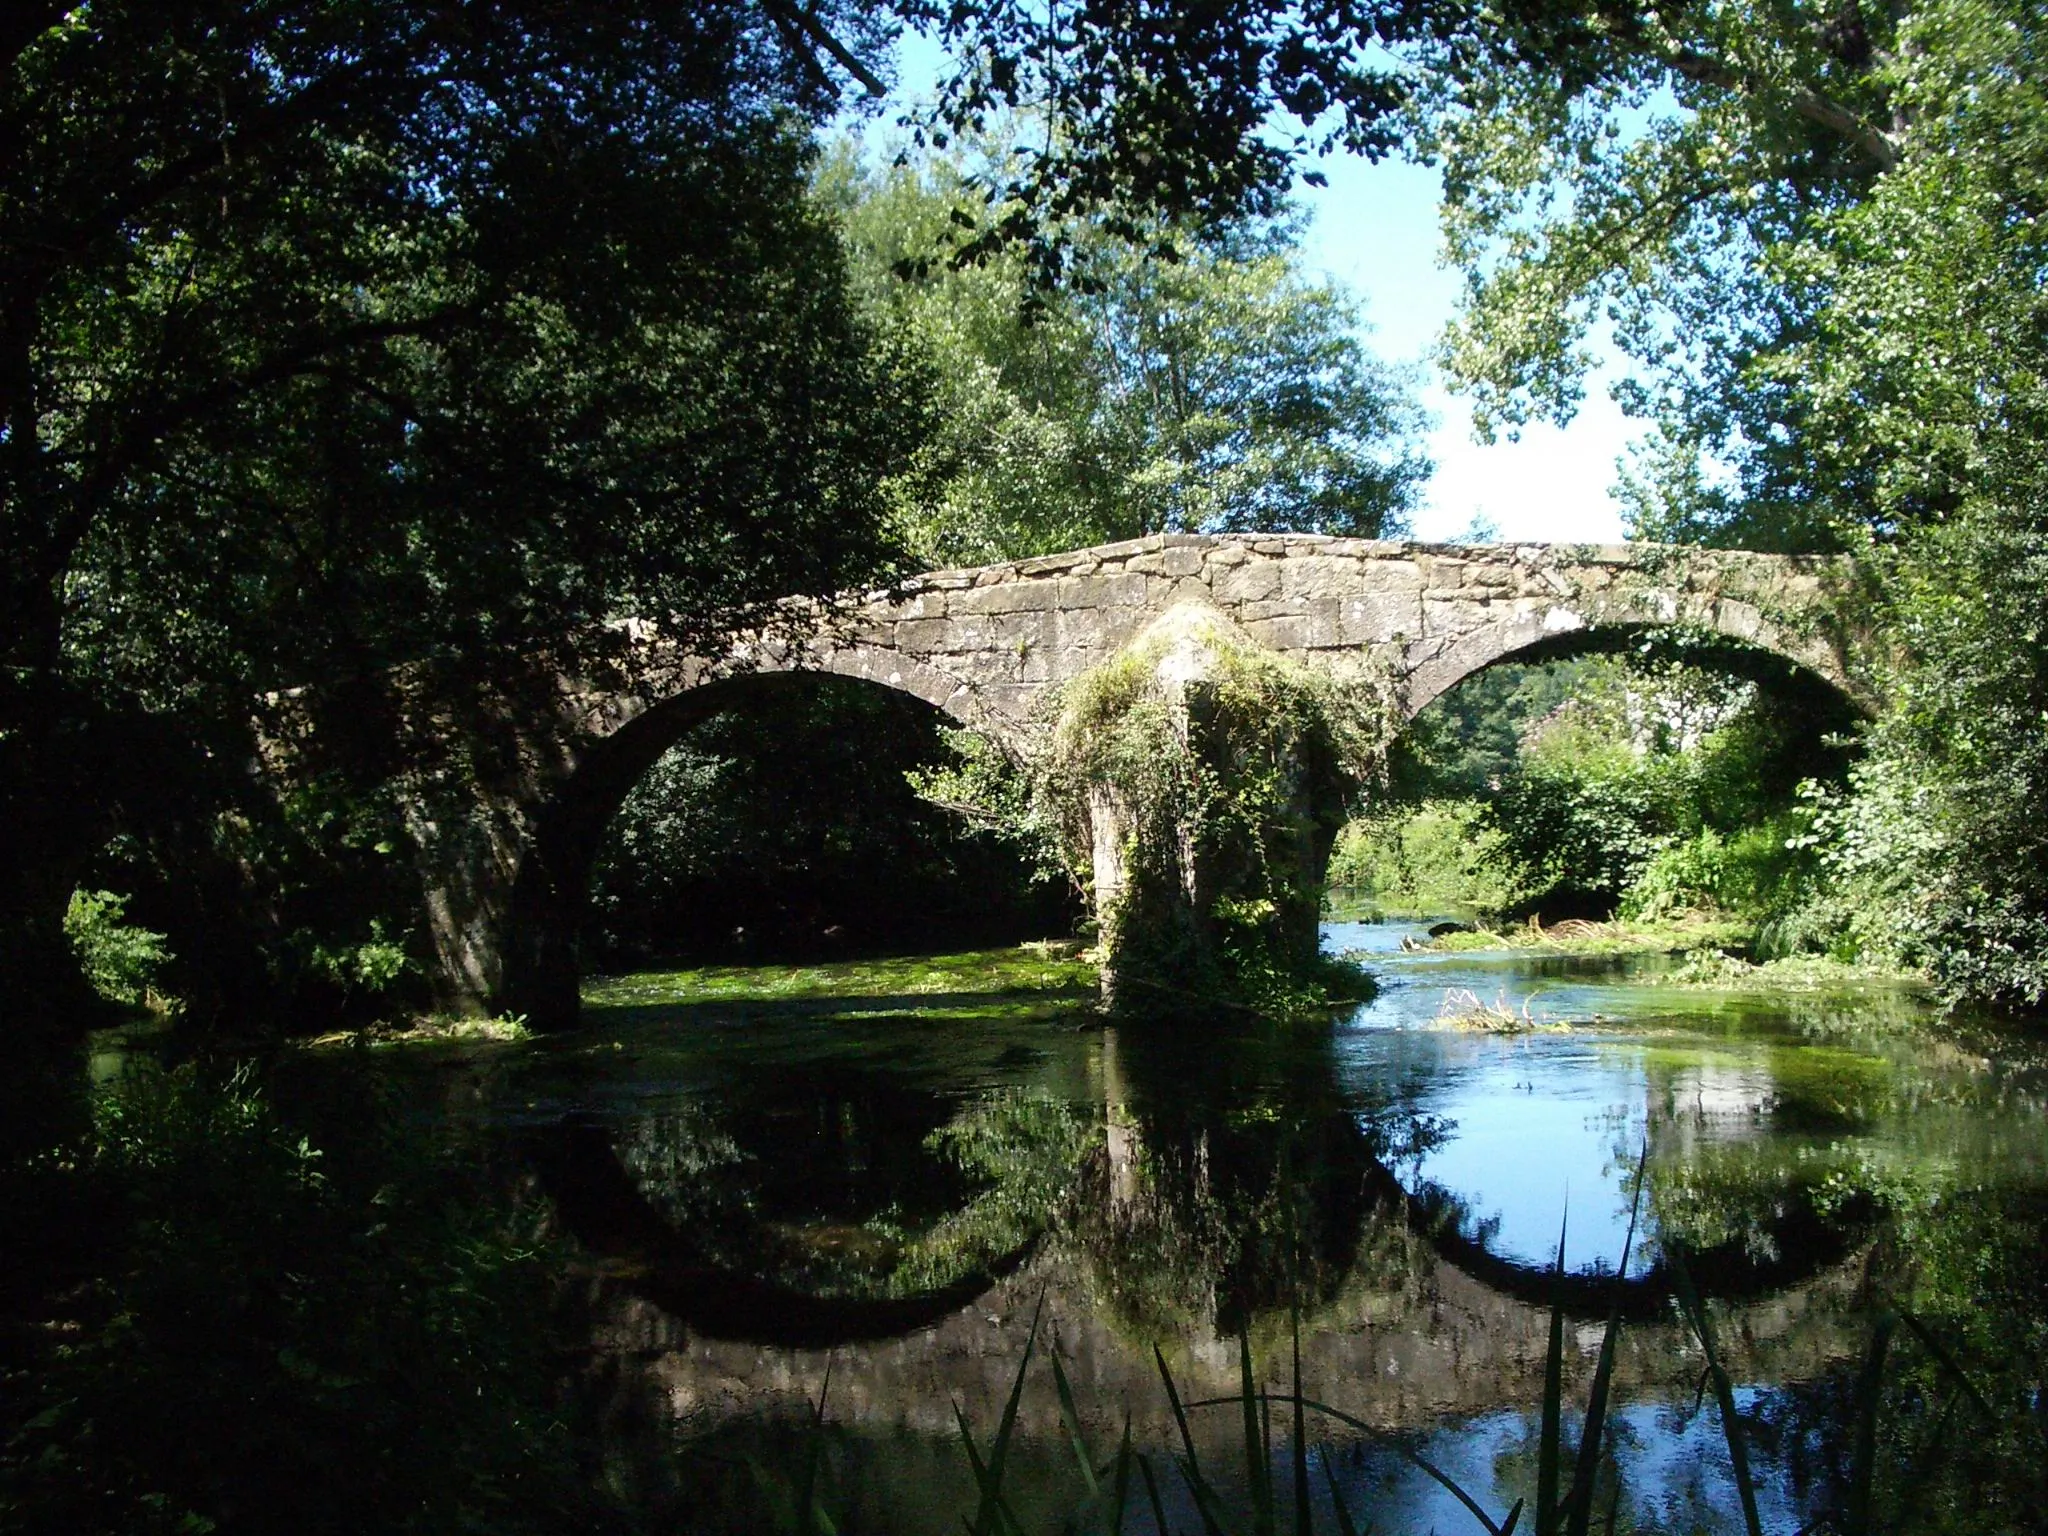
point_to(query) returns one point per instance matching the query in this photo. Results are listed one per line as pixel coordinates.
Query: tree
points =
(338, 335)
(1705, 178)
(1189, 383)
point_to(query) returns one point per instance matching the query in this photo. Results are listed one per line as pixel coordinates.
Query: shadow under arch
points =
(1739, 646)
(539, 943)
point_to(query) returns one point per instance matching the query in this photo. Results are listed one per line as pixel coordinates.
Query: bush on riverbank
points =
(1651, 791)
(219, 1327)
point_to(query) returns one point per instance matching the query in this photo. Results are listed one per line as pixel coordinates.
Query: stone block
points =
(1010, 702)
(1491, 574)
(1250, 583)
(978, 664)
(1274, 608)
(1120, 625)
(1221, 555)
(1391, 575)
(1311, 576)
(1453, 616)
(1041, 664)
(1124, 550)
(1021, 631)
(1378, 617)
(1322, 622)
(1181, 560)
(925, 636)
(1049, 565)
(1018, 595)
(918, 605)
(1289, 632)
(1124, 589)
(1078, 628)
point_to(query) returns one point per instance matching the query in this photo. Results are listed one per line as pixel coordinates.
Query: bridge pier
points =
(1206, 779)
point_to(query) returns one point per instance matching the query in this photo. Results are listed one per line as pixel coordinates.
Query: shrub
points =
(1441, 855)
(121, 960)
(282, 1341)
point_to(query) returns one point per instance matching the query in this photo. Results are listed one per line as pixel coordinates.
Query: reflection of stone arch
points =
(1803, 1246)
(609, 1215)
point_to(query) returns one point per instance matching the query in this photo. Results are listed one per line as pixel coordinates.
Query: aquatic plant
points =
(1464, 1009)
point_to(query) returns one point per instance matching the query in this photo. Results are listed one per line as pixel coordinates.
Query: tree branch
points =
(1822, 111)
(23, 21)
(800, 17)
(149, 428)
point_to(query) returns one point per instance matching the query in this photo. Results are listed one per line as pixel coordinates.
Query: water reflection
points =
(910, 1191)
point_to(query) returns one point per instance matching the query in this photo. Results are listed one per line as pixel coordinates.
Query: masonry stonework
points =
(987, 646)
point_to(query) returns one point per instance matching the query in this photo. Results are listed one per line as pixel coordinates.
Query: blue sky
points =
(1374, 230)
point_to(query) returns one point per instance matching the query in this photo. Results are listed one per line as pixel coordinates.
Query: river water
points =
(871, 1201)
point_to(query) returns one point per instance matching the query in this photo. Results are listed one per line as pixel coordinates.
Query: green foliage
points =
(1034, 968)
(1579, 839)
(1189, 383)
(1938, 857)
(119, 959)
(276, 1340)
(789, 826)
(1643, 786)
(1829, 272)
(1470, 739)
(1440, 856)
(355, 358)
(1752, 872)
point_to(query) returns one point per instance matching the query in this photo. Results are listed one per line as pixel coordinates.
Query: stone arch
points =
(546, 886)
(1430, 674)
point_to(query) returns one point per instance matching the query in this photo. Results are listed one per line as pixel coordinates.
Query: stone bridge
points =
(507, 864)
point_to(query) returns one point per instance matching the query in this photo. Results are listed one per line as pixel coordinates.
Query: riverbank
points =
(969, 979)
(1714, 952)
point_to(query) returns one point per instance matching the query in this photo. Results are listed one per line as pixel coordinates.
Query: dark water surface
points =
(889, 1187)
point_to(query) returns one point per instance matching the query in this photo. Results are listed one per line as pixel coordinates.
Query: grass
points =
(1576, 936)
(1714, 968)
(435, 1029)
(1028, 968)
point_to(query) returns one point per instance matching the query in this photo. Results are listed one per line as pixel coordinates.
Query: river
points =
(870, 1201)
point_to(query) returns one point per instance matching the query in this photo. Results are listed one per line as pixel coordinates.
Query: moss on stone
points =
(1197, 781)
